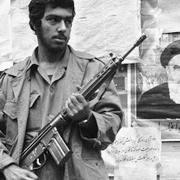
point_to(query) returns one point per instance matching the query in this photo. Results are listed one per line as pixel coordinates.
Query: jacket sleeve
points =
(5, 159)
(105, 120)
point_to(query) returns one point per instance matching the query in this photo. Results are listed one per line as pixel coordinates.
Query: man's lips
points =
(60, 38)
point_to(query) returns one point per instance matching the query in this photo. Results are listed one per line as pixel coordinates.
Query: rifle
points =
(49, 138)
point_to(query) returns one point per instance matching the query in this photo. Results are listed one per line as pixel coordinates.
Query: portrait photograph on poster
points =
(158, 82)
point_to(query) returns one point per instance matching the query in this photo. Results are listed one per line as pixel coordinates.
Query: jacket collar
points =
(34, 59)
(23, 66)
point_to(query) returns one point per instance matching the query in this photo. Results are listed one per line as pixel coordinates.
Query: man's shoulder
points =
(162, 88)
(155, 95)
(84, 55)
(18, 67)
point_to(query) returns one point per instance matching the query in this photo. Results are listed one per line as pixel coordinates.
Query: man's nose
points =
(61, 26)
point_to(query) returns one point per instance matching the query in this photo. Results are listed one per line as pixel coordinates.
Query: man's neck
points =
(50, 60)
(50, 57)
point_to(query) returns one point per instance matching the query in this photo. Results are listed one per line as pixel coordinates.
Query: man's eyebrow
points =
(176, 65)
(59, 16)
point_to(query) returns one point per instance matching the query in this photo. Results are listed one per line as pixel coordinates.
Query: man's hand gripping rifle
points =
(49, 138)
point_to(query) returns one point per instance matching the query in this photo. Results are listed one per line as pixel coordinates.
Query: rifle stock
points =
(59, 150)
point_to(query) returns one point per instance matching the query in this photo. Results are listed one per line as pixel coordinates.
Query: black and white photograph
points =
(89, 90)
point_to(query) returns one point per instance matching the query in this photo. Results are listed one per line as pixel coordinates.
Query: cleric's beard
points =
(174, 91)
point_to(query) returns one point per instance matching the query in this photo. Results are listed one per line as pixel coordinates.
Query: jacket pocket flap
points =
(33, 98)
(10, 109)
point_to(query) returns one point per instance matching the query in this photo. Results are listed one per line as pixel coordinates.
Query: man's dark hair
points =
(169, 52)
(37, 9)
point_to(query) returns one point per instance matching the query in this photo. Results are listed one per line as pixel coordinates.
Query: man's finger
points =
(80, 98)
(31, 175)
(74, 100)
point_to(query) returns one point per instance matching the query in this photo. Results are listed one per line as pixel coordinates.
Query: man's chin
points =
(57, 48)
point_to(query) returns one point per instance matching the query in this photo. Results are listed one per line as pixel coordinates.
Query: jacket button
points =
(52, 89)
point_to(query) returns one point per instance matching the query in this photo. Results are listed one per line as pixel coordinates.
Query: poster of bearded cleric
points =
(158, 94)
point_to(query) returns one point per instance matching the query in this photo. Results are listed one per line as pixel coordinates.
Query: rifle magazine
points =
(58, 149)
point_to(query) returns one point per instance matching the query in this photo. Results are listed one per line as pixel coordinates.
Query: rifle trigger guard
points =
(40, 162)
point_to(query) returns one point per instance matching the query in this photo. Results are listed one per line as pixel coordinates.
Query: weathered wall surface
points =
(5, 32)
(108, 26)
(99, 27)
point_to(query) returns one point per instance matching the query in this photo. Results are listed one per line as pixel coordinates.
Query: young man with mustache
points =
(35, 90)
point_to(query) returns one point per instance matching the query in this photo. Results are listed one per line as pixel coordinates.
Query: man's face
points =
(55, 28)
(173, 69)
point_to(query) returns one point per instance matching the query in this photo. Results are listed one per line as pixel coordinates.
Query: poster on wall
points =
(160, 104)
(136, 150)
(158, 80)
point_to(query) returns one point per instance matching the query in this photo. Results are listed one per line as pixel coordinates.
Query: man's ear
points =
(167, 68)
(34, 27)
(168, 71)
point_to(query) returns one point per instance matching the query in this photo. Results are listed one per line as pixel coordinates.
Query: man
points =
(35, 90)
(163, 101)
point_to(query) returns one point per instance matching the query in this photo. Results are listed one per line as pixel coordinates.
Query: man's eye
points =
(176, 67)
(52, 20)
(68, 21)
